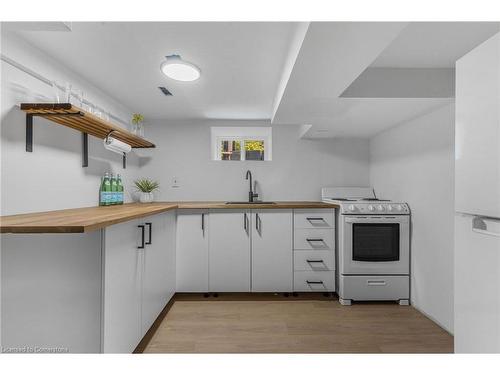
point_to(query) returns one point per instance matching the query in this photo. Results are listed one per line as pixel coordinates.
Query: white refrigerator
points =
(477, 200)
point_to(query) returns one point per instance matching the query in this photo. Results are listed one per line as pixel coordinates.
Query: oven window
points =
(375, 242)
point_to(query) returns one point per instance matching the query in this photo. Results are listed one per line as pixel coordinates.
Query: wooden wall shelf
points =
(76, 118)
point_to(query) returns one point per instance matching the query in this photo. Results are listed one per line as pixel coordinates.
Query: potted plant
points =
(137, 121)
(145, 187)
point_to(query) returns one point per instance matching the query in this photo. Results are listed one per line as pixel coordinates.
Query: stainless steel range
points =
(373, 246)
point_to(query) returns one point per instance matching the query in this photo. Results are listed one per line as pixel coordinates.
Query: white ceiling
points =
(241, 64)
(434, 44)
(292, 73)
(368, 116)
(334, 55)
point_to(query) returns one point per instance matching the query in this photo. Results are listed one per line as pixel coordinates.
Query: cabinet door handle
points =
(314, 240)
(315, 261)
(258, 224)
(315, 219)
(142, 236)
(245, 222)
(150, 240)
(314, 282)
(376, 282)
(203, 223)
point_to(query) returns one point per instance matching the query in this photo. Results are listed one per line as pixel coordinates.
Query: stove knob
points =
(389, 208)
(371, 208)
(380, 207)
(351, 207)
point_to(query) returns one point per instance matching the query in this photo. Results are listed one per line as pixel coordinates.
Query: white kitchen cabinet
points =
(477, 130)
(138, 278)
(272, 262)
(229, 251)
(157, 284)
(122, 287)
(313, 247)
(192, 251)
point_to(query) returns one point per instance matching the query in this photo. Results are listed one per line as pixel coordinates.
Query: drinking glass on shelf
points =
(97, 112)
(141, 129)
(67, 92)
(57, 91)
(78, 95)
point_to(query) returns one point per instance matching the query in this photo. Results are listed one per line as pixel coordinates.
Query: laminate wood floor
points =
(247, 323)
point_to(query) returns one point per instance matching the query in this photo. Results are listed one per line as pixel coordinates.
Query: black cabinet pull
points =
(314, 261)
(150, 241)
(314, 282)
(314, 240)
(142, 236)
(245, 222)
(258, 224)
(203, 223)
(315, 219)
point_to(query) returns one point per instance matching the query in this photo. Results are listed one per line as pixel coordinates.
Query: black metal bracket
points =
(29, 132)
(85, 150)
(124, 161)
(29, 125)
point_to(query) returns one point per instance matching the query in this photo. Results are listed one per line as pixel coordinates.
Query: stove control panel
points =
(374, 208)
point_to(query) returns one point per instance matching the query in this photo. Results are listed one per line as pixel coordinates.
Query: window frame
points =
(241, 134)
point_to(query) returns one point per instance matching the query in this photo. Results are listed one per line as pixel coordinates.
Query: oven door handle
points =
(379, 219)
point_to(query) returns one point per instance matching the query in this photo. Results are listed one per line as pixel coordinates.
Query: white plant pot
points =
(146, 197)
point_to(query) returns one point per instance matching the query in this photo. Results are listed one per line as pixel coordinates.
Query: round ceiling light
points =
(176, 68)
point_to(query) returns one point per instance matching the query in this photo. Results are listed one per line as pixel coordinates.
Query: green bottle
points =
(114, 194)
(101, 192)
(105, 190)
(119, 188)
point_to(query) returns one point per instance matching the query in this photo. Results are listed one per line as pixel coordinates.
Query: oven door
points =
(376, 245)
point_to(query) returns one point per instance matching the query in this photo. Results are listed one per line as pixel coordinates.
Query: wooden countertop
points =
(276, 204)
(87, 219)
(79, 220)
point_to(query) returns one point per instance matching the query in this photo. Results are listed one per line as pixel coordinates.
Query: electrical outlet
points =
(175, 182)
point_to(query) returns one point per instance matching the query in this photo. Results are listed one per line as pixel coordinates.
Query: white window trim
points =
(241, 134)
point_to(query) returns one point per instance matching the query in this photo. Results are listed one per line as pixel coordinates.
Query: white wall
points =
(51, 177)
(298, 170)
(414, 162)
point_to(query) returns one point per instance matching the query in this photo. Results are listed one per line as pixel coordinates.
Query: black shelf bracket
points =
(124, 161)
(29, 132)
(85, 150)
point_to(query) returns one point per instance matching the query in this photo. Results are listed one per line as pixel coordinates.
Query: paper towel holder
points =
(124, 153)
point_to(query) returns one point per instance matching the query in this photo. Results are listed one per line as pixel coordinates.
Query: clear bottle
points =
(114, 195)
(105, 197)
(119, 189)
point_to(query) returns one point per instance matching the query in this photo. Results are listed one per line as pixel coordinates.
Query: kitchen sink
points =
(246, 202)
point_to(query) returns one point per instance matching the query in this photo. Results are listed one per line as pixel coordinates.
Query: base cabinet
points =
(158, 280)
(122, 288)
(192, 251)
(229, 251)
(237, 250)
(314, 250)
(138, 278)
(272, 261)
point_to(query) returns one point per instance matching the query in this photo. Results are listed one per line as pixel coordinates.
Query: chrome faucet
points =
(251, 194)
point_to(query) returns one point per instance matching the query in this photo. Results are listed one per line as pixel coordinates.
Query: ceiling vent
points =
(165, 91)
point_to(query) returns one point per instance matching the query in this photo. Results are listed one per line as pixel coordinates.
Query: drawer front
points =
(319, 260)
(314, 281)
(366, 288)
(314, 239)
(315, 218)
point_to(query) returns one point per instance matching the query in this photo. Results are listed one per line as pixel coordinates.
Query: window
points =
(241, 143)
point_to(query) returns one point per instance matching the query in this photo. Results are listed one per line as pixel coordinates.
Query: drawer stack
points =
(314, 250)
